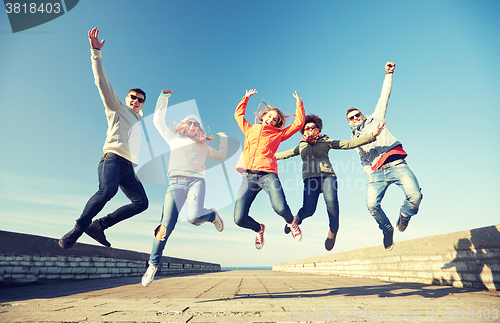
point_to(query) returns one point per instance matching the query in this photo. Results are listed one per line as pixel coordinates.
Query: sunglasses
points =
(354, 116)
(310, 127)
(193, 123)
(133, 97)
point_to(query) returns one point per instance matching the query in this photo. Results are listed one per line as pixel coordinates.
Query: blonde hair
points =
(261, 113)
(182, 129)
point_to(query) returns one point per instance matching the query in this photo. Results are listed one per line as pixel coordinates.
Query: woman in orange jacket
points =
(261, 171)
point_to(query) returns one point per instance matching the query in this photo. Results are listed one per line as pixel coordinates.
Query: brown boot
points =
(69, 239)
(96, 232)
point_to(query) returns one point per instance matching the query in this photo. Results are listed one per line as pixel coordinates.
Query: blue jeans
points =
(114, 172)
(313, 187)
(180, 190)
(252, 184)
(378, 182)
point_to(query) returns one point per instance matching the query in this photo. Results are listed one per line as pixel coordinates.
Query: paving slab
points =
(246, 296)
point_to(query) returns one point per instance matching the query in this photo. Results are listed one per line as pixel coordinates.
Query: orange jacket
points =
(262, 141)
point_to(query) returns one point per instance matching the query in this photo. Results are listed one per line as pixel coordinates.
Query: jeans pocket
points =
(401, 164)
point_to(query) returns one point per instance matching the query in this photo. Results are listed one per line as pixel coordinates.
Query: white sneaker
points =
(217, 222)
(149, 275)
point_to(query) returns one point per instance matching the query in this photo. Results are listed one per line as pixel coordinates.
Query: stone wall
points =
(33, 259)
(464, 259)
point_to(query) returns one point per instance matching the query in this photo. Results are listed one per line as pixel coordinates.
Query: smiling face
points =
(132, 101)
(193, 127)
(309, 127)
(355, 117)
(271, 118)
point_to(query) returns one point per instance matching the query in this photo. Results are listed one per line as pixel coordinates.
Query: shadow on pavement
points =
(381, 290)
(67, 288)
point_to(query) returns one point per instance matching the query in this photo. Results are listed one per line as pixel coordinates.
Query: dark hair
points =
(350, 110)
(137, 90)
(314, 119)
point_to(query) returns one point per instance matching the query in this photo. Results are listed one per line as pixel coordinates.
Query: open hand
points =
(379, 129)
(250, 92)
(94, 40)
(296, 96)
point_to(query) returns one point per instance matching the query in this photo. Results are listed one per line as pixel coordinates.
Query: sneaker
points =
(388, 239)
(294, 228)
(330, 240)
(259, 238)
(96, 232)
(402, 222)
(217, 222)
(69, 239)
(287, 228)
(149, 275)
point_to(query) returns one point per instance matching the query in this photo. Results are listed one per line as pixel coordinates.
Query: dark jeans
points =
(313, 187)
(114, 171)
(252, 184)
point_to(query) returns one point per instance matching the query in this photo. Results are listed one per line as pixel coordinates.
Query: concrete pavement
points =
(246, 296)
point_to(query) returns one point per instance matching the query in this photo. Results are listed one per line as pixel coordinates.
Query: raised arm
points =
(383, 101)
(239, 114)
(300, 118)
(221, 153)
(108, 95)
(160, 113)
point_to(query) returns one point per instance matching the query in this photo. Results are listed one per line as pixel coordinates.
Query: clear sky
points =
(444, 108)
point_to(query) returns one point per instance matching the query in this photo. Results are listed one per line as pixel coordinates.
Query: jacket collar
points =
(359, 126)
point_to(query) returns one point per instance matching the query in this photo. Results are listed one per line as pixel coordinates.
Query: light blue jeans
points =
(252, 184)
(378, 182)
(190, 190)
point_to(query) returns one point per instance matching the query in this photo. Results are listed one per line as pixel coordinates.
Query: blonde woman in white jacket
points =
(186, 172)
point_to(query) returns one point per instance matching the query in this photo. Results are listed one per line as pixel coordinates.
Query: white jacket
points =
(187, 157)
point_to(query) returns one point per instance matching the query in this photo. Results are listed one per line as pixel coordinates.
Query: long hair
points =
(261, 112)
(182, 128)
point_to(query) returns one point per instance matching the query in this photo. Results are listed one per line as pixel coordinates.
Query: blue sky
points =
(444, 109)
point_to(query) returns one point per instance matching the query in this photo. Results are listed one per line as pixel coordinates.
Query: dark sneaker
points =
(330, 240)
(69, 239)
(149, 275)
(287, 228)
(97, 233)
(402, 222)
(259, 238)
(388, 239)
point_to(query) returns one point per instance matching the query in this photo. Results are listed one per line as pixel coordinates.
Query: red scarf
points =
(311, 136)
